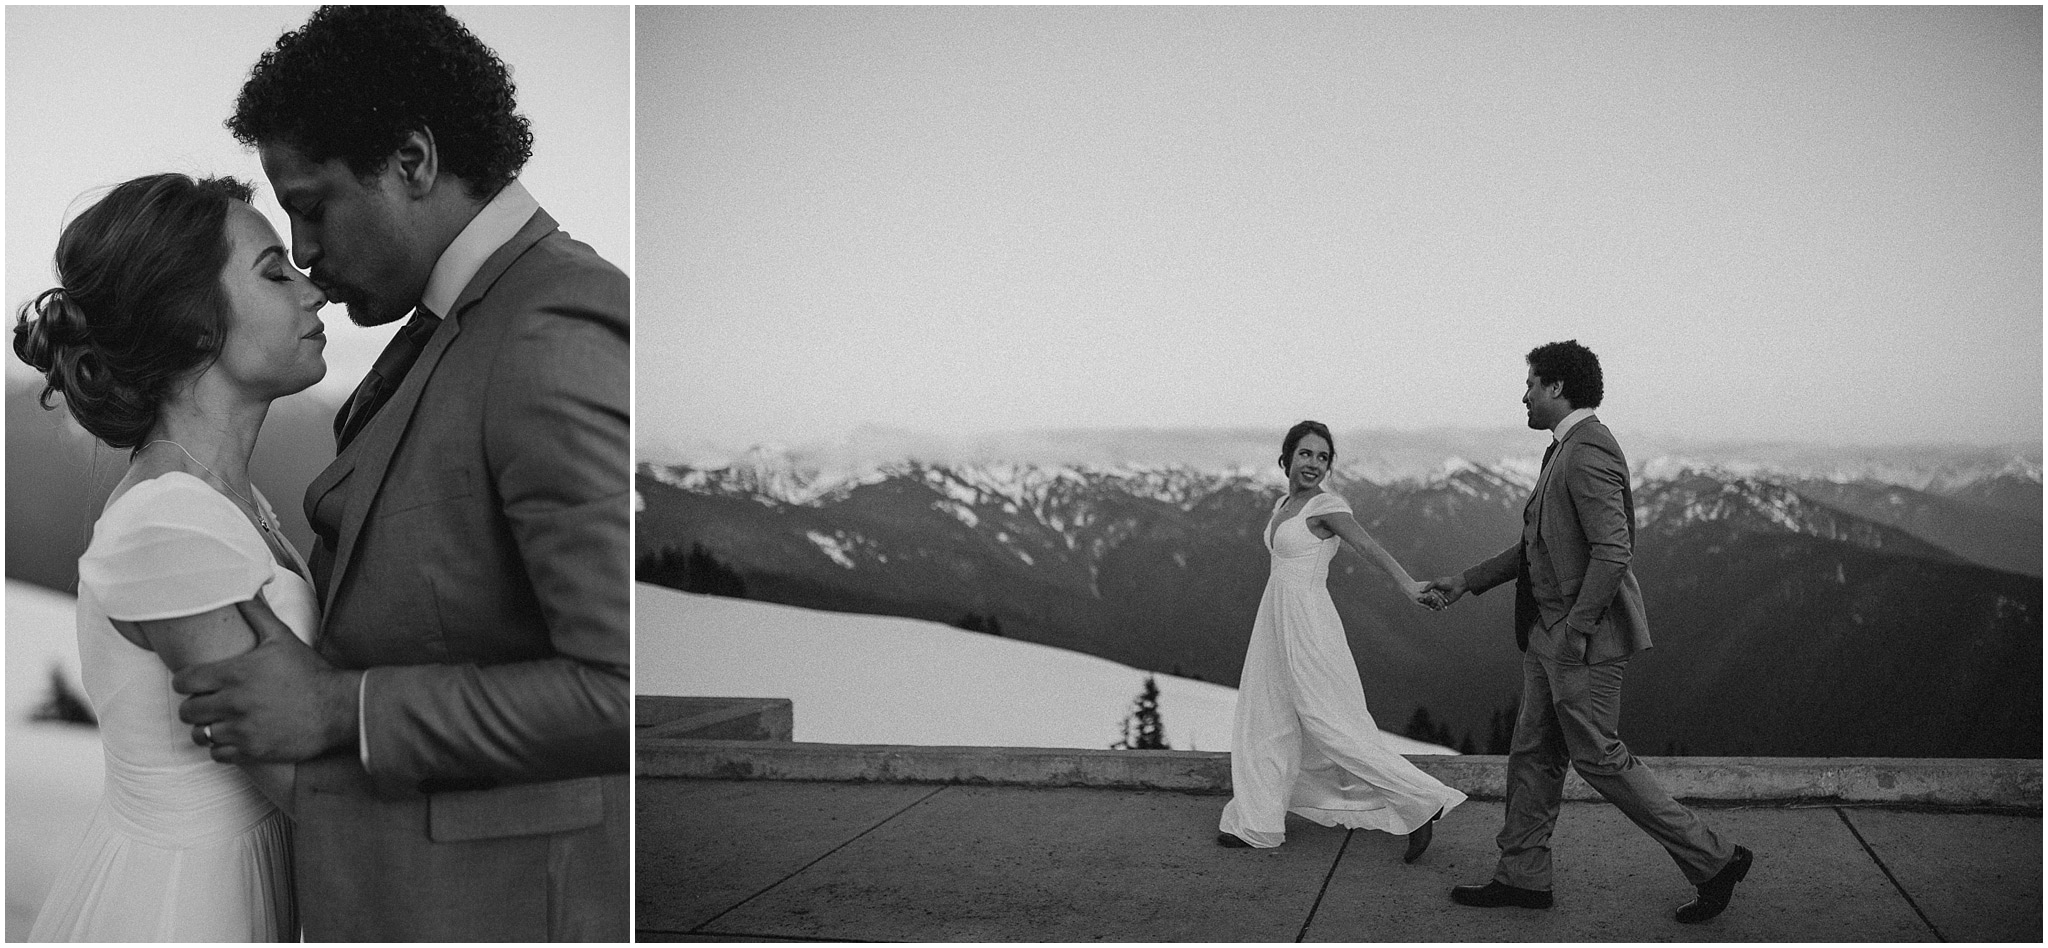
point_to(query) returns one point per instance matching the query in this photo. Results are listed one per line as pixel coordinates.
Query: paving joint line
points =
(1332, 874)
(1887, 870)
(699, 928)
(758, 936)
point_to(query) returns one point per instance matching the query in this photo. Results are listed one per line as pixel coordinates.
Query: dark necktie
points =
(385, 376)
(1547, 452)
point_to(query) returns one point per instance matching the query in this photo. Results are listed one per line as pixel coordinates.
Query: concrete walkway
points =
(778, 859)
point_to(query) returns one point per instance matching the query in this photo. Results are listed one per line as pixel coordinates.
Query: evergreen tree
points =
(697, 571)
(63, 705)
(664, 567)
(1143, 729)
(1429, 730)
(1420, 727)
(703, 573)
(976, 622)
(1500, 736)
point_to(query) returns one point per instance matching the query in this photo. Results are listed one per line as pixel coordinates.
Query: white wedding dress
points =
(1304, 741)
(180, 848)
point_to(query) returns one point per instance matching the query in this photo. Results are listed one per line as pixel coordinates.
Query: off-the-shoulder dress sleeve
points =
(172, 546)
(1327, 502)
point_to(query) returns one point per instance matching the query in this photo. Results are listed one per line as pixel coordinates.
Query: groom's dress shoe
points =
(1715, 892)
(1496, 894)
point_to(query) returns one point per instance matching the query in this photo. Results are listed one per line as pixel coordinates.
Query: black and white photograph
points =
(318, 447)
(1214, 473)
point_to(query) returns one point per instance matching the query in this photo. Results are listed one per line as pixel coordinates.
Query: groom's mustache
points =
(336, 292)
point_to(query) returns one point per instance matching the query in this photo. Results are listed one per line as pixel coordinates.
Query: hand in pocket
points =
(1571, 643)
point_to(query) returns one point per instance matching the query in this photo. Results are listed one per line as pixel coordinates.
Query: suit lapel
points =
(1550, 474)
(1544, 478)
(368, 457)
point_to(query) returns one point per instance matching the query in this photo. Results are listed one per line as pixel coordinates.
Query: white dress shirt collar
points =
(498, 222)
(1570, 421)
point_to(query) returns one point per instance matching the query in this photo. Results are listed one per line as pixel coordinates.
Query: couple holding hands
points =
(1304, 741)
(428, 716)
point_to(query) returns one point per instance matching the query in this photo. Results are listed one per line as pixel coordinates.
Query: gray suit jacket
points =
(473, 557)
(1578, 536)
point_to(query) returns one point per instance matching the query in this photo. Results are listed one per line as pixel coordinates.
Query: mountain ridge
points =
(1160, 566)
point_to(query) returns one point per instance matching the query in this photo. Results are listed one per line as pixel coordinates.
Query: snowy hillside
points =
(53, 770)
(863, 679)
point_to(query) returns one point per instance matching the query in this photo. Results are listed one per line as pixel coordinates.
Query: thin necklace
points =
(262, 522)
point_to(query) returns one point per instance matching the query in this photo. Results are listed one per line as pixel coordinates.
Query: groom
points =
(1578, 618)
(461, 731)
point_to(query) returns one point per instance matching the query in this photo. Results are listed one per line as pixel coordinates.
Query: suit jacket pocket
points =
(524, 809)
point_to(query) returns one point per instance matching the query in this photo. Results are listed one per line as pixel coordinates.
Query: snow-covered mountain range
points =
(1378, 455)
(1159, 565)
(1977, 505)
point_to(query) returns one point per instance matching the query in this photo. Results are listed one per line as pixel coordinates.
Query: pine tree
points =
(976, 622)
(703, 573)
(1420, 727)
(1143, 729)
(664, 567)
(697, 571)
(63, 705)
(1501, 734)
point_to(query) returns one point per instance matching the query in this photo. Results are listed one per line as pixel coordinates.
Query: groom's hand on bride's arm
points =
(279, 702)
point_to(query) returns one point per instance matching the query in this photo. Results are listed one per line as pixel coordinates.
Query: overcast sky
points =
(98, 95)
(1810, 224)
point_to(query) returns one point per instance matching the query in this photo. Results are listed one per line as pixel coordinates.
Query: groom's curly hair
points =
(353, 81)
(1574, 365)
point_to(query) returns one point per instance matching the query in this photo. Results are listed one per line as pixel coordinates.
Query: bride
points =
(1304, 741)
(177, 321)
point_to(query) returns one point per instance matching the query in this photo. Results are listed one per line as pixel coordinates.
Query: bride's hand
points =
(1423, 596)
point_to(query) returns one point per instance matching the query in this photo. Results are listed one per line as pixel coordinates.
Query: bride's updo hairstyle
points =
(138, 303)
(1302, 430)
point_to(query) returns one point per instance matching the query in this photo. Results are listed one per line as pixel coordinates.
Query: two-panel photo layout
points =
(960, 473)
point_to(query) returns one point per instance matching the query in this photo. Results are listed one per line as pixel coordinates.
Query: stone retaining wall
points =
(1930, 781)
(695, 737)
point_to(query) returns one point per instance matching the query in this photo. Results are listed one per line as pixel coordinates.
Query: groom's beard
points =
(370, 313)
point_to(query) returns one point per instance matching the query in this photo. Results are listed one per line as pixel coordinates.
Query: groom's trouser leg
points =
(1588, 710)
(1536, 766)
